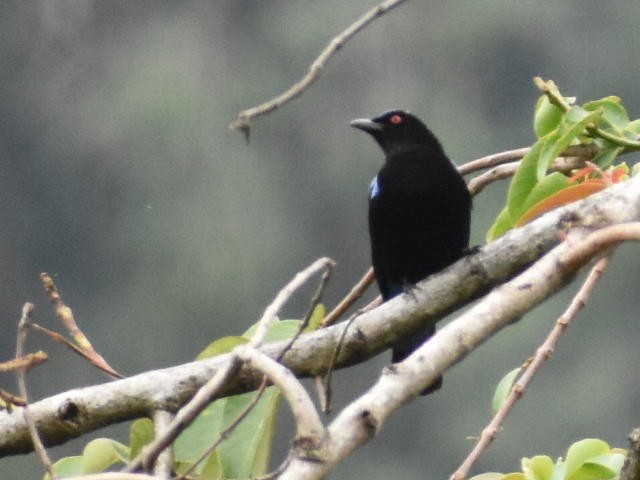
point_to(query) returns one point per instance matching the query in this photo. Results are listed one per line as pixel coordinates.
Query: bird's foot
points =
(471, 250)
(410, 289)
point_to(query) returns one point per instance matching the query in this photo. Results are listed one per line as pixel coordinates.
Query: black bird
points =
(419, 211)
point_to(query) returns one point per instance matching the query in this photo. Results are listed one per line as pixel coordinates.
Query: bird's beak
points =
(366, 125)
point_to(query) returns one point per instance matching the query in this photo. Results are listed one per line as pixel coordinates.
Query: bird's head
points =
(397, 131)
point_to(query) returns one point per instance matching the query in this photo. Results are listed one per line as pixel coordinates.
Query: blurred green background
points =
(164, 230)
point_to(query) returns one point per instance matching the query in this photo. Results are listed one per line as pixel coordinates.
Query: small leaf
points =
(514, 476)
(634, 126)
(547, 117)
(99, 454)
(607, 156)
(489, 476)
(501, 225)
(316, 318)
(220, 346)
(539, 467)
(590, 471)
(614, 114)
(213, 468)
(572, 126)
(247, 449)
(280, 330)
(67, 467)
(504, 388)
(583, 451)
(524, 179)
(140, 434)
(548, 186)
(607, 465)
(563, 197)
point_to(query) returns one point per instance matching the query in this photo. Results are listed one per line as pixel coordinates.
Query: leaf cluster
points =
(588, 459)
(559, 124)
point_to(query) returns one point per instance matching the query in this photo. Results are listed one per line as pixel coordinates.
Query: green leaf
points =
(607, 465)
(535, 164)
(220, 346)
(67, 467)
(213, 468)
(572, 126)
(280, 330)
(607, 156)
(614, 460)
(559, 471)
(583, 451)
(489, 476)
(202, 432)
(547, 117)
(501, 225)
(549, 185)
(140, 434)
(524, 179)
(316, 318)
(99, 454)
(634, 126)
(504, 388)
(247, 450)
(614, 115)
(539, 467)
(571, 193)
(514, 476)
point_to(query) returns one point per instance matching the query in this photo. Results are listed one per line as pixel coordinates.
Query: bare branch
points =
(489, 161)
(356, 292)
(243, 122)
(283, 296)
(477, 184)
(309, 425)
(25, 362)
(23, 327)
(164, 463)
(578, 151)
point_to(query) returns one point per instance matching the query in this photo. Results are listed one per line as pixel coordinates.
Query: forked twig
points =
(243, 122)
(354, 295)
(23, 327)
(208, 392)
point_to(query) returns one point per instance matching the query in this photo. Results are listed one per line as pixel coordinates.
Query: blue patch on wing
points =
(374, 188)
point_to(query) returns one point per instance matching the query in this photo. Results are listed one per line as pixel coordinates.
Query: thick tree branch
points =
(363, 418)
(631, 467)
(70, 414)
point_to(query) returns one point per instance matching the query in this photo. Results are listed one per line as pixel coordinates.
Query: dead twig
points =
(23, 327)
(544, 352)
(65, 314)
(243, 121)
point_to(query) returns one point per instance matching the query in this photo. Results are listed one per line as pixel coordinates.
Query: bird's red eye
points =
(395, 119)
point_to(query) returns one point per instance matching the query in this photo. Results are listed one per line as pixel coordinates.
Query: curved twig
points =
(243, 122)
